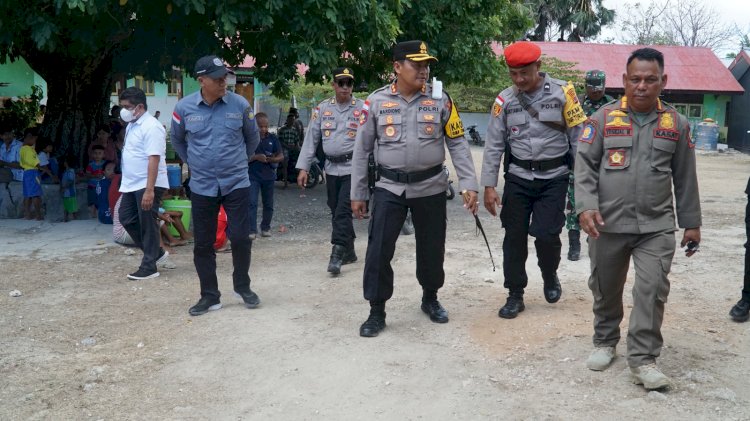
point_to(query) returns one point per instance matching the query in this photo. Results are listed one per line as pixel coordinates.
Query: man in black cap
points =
(412, 122)
(595, 99)
(215, 133)
(334, 124)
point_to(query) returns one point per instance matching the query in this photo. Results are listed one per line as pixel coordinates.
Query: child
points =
(47, 161)
(174, 218)
(68, 189)
(262, 171)
(102, 193)
(32, 184)
(94, 173)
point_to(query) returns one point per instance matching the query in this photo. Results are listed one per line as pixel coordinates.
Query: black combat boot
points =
(574, 249)
(337, 259)
(375, 322)
(349, 256)
(552, 289)
(513, 306)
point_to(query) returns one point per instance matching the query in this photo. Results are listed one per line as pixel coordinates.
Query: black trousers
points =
(142, 225)
(537, 208)
(388, 213)
(746, 288)
(205, 220)
(339, 187)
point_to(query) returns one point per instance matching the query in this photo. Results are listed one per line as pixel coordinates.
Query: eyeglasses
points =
(345, 83)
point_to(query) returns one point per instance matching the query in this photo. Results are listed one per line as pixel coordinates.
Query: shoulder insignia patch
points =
(454, 128)
(589, 131)
(572, 111)
(497, 107)
(365, 111)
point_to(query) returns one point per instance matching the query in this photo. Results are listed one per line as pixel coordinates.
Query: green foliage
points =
(580, 19)
(21, 113)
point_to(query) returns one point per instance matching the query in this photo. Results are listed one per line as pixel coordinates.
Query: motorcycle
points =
(476, 138)
(314, 176)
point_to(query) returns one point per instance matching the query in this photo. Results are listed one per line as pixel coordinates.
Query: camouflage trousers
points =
(571, 219)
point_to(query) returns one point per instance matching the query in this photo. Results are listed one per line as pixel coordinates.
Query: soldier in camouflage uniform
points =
(595, 99)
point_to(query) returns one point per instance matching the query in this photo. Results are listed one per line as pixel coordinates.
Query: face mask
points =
(126, 115)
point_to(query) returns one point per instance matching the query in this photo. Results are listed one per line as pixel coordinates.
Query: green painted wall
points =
(715, 107)
(20, 78)
(189, 85)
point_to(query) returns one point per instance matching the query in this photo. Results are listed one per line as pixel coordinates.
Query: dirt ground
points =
(82, 342)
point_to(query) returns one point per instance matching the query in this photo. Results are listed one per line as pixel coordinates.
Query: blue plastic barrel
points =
(174, 175)
(706, 135)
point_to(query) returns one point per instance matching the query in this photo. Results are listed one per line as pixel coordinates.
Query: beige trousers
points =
(610, 256)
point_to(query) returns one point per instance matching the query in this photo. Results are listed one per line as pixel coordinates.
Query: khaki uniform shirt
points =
(411, 135)
(626, 170)
(336, 126)
(529, 138)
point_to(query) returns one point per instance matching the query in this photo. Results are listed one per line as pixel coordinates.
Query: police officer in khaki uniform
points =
(630, 153)
(535, 124)
(334, 122)
(411, 123)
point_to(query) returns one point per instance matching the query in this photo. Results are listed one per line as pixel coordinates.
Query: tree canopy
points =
(579, 19)
(78, 46)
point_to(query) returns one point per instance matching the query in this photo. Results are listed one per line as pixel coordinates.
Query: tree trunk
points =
(78, 95)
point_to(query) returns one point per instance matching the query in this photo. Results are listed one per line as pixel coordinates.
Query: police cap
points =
(342, 72)
(412, 50)
(522, 53)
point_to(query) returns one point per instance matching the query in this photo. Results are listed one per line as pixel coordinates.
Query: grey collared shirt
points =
(530, 138)
(336, 126)
(215, 141)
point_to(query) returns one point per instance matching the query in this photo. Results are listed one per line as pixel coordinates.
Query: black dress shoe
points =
(552, 290)
(373, 325)
(436, 311)
(512, 307)
(741, 311)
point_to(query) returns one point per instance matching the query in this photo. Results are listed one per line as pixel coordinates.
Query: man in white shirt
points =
(144, 180)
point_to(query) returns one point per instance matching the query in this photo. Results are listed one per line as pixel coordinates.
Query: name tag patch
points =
(236, 115)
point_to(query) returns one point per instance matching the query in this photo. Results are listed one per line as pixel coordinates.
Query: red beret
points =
(522, 53)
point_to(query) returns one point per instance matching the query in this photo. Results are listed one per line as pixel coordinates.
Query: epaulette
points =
(559, 82)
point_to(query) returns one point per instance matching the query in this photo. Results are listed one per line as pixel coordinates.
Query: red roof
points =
(690, 69)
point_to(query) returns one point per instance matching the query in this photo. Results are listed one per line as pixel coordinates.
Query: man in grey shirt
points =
(214, 132)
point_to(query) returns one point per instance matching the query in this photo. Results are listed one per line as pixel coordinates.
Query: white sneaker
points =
(252, 236)
(601, 358)
(265, 233)
(650, 377)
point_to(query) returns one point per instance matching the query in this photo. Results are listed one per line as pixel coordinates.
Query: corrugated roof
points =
(690, 69)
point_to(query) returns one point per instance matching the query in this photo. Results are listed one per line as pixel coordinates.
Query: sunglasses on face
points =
(345, 83)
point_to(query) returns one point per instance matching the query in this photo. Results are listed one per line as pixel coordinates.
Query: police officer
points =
(630, 153)
(595, 99)
(334, 123)
(534, 123)
(412, 122)
(215, 133)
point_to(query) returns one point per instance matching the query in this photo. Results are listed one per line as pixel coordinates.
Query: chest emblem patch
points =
(390, 131)
(617, 157)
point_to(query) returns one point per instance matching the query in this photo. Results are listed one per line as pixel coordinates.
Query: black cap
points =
(211, 66)
(412, 50)
(342, 72)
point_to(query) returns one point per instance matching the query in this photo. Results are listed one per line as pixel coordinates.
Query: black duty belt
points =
(339, 159)
(543, 165)
(409, 177)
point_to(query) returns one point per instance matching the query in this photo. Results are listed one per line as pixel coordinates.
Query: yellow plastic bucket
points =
(181, 205)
